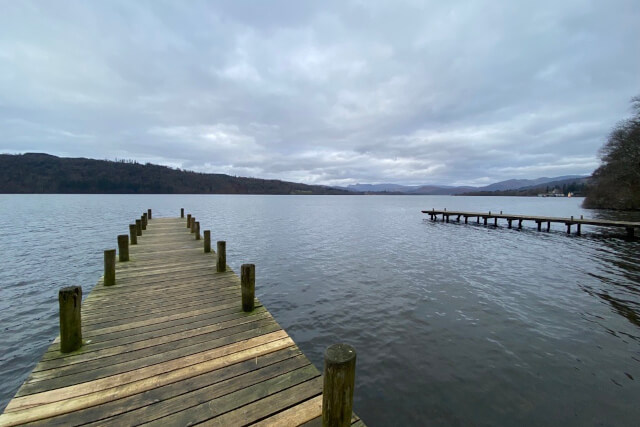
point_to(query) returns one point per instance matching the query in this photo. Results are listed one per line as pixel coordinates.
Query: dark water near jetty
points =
(453, 324)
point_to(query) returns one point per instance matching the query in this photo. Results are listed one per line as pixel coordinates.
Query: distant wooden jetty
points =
(539, 220)
(171, 336)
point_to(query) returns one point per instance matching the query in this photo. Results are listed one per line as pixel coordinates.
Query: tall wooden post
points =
(110, 267)
(70, 300)
(207, 241)
(149, 214)
(339, 382)
(248, 284)
(144, 221)
(123, 247)
(132, 234)
(221, 262)
(188, 220)
(197, 230)
(139, 227)
(181, 212)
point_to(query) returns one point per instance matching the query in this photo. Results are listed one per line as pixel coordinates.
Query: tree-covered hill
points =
(44, 173)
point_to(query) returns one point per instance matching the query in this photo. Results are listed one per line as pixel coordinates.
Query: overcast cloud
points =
(411, 92)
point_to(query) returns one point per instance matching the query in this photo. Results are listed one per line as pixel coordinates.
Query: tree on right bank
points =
(616, 183)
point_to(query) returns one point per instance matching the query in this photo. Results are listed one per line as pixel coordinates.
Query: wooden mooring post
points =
(197, 230)
(188, 220)
(132, 234)
(70, 301)
(248, 284)
(139, 227)
(339, 382)
(123, 247)
(143, 218)
(207, 241)
(110, 267)
(221, 253)
(193, 224)
(181, 212)
(149, 214)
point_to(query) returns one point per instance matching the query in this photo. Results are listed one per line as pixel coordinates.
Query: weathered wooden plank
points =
(296, 415)
(131, 361)
(173, 390)
(237, 408)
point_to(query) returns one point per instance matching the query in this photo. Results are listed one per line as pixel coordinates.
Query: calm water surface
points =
(453, 324)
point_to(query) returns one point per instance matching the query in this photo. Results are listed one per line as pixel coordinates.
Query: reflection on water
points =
(454, 324)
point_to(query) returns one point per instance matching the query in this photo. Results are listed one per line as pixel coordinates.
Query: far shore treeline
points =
(44, 173)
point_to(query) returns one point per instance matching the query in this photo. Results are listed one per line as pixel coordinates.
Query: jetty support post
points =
(339, 382)
(539, 225)
(144, 221)
(509, 220)
(579, 230)
(466, 219)
(519, 224)
(139, 227)
(478, 220)
(197, 230)
(110, 267)
(207, 241)
(123, 247)
(133, 235)
(495, 221)
(485, 220)
(458, 219)
(248, 284)
(221, 261)
(181, 212)
(70, 300)
(149, 214)
(188, 220)
(548, 225)
(193, 224)
(568, 228)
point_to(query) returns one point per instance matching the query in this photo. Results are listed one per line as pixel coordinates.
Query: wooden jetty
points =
(171, 336)
(539, 220)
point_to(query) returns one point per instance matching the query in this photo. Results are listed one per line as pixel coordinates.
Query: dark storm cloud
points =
(322, 92)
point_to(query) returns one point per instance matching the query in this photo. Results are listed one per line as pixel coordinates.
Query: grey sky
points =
(455, 92)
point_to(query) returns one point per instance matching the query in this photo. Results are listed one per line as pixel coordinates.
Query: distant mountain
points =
(513, 184)
(380, 188)
(510, 184)
(576, 185)
(44, 173)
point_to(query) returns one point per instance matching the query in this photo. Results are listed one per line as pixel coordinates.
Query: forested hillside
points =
(44, 173)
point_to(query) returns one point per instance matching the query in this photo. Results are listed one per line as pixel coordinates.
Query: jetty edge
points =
(170, 335)
(629, 226)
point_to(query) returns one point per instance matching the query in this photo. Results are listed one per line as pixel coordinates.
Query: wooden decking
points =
(539, 220)
(169, 344)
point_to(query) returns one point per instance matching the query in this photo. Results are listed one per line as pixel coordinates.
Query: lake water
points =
(453, 324)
